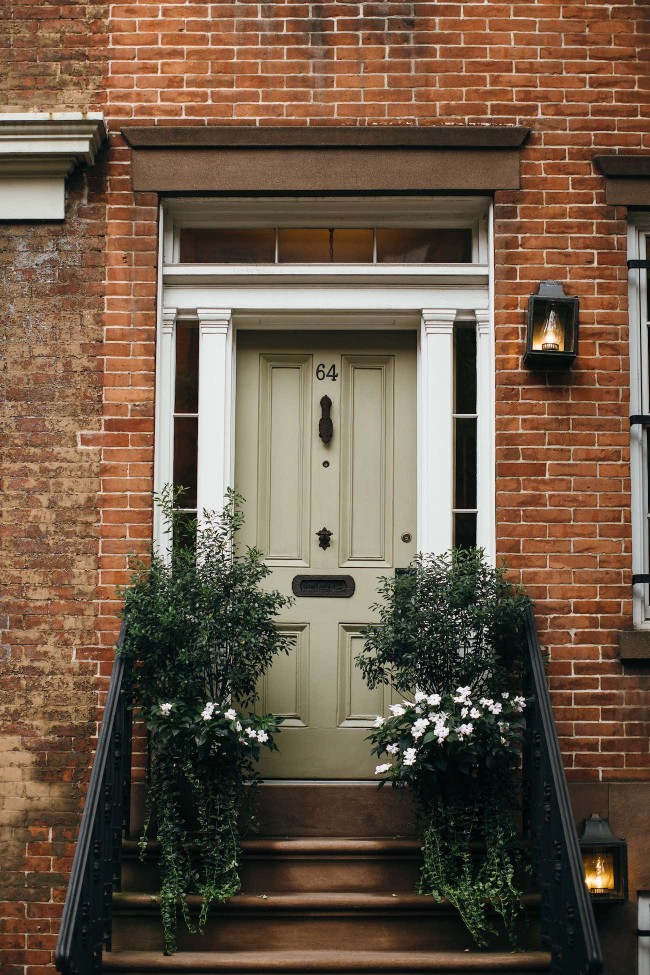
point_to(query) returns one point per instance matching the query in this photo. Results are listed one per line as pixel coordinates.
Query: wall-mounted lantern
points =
(604, 859)
(552, 336)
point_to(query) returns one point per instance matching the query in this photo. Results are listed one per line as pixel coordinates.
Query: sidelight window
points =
(639, 253)
(465, 436)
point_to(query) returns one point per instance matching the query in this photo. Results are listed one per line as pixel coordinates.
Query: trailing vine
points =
(200, 636)
(450, 628)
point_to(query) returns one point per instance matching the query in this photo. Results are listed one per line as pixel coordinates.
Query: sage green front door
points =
(325, 457)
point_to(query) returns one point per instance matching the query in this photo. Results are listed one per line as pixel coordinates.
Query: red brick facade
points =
(79, 341)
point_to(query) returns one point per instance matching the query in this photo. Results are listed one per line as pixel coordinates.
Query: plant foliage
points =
(450, 628)
(200, 634)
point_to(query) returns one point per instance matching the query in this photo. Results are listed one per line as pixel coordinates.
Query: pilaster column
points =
(436, 430)
(215, 407)
(164, 453)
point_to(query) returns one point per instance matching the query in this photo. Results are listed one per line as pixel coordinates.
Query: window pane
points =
(464, 531)
(465, 369)
(424, 246)
(227, 246)
(186, 430)
(186, 393)
(465, 474)
(353, 246)
(185, 530)
(304, 246)
(322, 246)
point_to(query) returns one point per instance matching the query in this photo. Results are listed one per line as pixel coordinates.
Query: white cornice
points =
(37, 151)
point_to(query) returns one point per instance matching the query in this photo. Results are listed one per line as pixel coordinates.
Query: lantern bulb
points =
(552, 332)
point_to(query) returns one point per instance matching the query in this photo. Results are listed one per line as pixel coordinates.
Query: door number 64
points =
(322, 372)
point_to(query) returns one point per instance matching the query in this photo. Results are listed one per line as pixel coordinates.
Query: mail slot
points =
(323, 587)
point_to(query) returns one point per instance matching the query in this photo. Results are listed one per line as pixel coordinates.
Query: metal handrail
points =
(567, 915)
(87, 913)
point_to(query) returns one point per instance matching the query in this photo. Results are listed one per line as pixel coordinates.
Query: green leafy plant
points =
(448, 638)
(200, 634)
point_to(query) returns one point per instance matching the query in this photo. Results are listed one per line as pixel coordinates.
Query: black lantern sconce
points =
(604, 860)
(552, 336)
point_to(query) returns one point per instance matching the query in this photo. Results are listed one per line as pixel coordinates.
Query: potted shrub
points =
(200, 633)
(448, 639)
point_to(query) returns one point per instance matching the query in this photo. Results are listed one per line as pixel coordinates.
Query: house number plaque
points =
(324, 587)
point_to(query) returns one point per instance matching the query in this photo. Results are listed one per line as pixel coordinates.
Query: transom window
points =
(317, 245)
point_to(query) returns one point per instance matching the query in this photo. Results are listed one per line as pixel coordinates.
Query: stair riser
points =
(277, 873)
(381, 932)
(318, 809)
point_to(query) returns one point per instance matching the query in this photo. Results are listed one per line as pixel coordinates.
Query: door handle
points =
(325, 425)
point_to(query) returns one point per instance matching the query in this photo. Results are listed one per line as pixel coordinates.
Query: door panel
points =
(366, 510)
(284, 457)
(361, 486)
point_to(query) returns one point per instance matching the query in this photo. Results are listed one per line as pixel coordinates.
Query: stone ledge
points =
(634, 645)
(37, 151)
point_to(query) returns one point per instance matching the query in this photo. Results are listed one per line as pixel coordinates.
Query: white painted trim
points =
(329, 211)
(37, 152)
(216, 408)
(643, 924)
(436, 430)
(164, 452)
(274, 274)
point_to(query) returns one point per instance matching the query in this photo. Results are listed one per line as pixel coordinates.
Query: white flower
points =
(409, 756)
(419, 727)
(504, 741)
(462, 693)
(502, 726)
(251, 733)
(465, 730)
(165, 709)
(378, 722)
(442, 732)
(505, 695)
(433, 700)
(519, 703)
(207, 711)
(495, 708)
(486, 702)
(397, 709)
(475, 713)
(420, 696)
(382, 768)
(262, 736)
(392, 749)
(230, 714)
(238, 726)
(464, 712)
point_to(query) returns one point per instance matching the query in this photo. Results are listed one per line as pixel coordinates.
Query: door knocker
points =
(324, 536)
(325, 425)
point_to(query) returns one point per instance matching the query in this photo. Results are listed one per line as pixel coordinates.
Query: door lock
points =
(324, 536)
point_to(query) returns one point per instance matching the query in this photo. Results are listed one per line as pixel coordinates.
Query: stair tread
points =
(311, 845)
(305, 901)
(362, 960)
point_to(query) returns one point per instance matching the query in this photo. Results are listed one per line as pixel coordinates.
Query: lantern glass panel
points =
(600, 872)
(552, 325)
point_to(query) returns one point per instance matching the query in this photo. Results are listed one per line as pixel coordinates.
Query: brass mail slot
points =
(332, 587)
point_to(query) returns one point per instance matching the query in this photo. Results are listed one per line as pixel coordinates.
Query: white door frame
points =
(429, 300)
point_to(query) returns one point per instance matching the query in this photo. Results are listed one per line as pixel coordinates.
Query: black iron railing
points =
(86, 923)
(567, 916)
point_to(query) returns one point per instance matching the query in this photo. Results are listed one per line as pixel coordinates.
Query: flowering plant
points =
(423, 736)
(450, 627)
(200, 635)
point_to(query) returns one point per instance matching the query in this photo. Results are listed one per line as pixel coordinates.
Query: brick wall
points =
(78, 470)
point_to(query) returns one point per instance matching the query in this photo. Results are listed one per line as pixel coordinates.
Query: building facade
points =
(517, 137)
